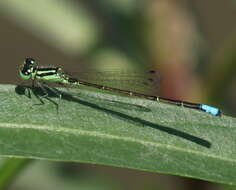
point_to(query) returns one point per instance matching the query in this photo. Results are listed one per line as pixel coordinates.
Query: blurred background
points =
(192, 43)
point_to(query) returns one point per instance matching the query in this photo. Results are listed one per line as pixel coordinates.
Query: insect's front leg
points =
(34, 81)
(43, 89)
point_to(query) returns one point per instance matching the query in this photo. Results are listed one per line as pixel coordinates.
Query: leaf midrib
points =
(108, 136)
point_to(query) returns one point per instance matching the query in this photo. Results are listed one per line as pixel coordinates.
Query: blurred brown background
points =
(190, 42)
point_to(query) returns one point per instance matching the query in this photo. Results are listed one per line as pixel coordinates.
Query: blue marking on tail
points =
(209, 109)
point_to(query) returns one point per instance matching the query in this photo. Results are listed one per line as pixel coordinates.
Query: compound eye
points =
(28, 66)
(29, 61)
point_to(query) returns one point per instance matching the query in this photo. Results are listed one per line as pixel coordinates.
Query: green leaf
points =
(100, 128)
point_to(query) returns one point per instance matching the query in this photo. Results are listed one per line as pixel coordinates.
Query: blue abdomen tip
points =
(210, 109)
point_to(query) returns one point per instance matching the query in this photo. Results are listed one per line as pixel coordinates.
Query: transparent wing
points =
(133, 80)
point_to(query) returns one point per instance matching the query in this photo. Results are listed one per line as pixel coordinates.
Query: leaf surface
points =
(101, 128)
